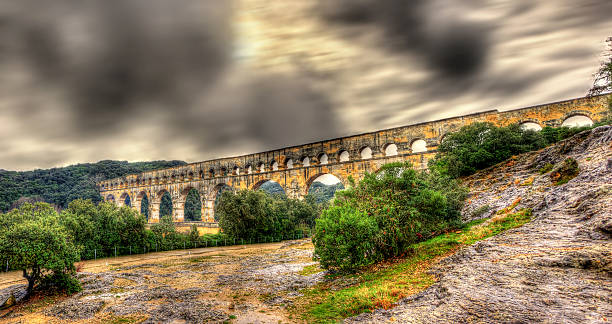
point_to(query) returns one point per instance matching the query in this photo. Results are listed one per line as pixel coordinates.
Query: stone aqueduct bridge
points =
(296, 167)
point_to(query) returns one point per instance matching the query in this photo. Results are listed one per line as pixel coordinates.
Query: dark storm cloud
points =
(455, 48)
(112, 57)
(120, 63)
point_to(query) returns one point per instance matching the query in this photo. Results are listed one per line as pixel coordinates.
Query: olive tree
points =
(33, 241)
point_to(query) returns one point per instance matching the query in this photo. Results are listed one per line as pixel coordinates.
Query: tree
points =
(193, 206)
(33, 240)
(603, 77)
(165, 207)
(480, 145)
(386, 212)
(144, 206)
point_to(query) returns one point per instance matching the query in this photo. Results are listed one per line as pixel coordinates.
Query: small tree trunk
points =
(31, 281)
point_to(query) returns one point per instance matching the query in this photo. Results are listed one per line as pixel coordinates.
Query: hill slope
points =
(557, 268)
(62, 185)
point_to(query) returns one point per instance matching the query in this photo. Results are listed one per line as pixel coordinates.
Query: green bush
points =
(345, 238)
(480, 145)
(256, 215)
(33, 240)
(565, 171)
(401, 205)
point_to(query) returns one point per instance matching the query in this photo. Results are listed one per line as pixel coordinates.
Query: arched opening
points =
(165, 207)
(323, 159)
(344, 156)
(577, 121)
(211, 173)
(144, 205)
(391, 150)
(110, 198)
(366, 153)
(289, 164)
(127, 201)
(217, 192)
(193, 206)
(249, 169)
(530, 126)
(274, 166)
(236, 170)
(262, 167)
(224, 171)
(306, 162)
(323, 187)
(419, 146)
(270, 186)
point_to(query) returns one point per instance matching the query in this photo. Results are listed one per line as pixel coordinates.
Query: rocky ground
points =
(555, 269)
(248, 285)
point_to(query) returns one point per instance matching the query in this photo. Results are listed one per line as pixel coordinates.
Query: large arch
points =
(344, 156)
(110, 198)
(192, 205)
(270, 186)
(418, 146)
(530, 125)
(325, 184)
(365, 152)
(142, 204)
(577, 120)
(125, 200)
(209, 205)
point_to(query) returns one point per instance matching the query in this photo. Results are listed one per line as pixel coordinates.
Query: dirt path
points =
(241, 284)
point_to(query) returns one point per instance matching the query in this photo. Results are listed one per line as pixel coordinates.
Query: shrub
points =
(565, 171)
(254, 215)
(404, 206)
(194, 234)
(344, 238)
(33, 240)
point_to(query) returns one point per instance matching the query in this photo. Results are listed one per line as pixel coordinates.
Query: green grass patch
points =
(311, 269)
(383, 285)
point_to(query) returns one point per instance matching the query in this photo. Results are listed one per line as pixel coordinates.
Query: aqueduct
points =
(296, 167)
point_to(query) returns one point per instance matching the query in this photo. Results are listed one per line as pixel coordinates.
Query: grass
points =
(311, 269)
(383, 285)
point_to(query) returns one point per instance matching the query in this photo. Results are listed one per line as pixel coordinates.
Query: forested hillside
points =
(60, 186)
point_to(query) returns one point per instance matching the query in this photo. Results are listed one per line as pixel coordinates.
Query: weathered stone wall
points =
(286, 166)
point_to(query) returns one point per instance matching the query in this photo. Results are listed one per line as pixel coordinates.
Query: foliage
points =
(384, 214)
(480, 211)
(60, 186)
(255, 214)
(102, 227)
(194, 234)
(193, 206)
(546, 168)
(165, 207)
(272, 188)
(565, 171)
(383, 286)
(33, 240)
(324, 193)
(480, 145)
(144, 206)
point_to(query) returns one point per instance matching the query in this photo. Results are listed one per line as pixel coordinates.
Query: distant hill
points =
(60, 186)
(322, 192)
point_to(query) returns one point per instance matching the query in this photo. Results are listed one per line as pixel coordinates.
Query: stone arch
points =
(418, 146)
(274, 166)
(261, 167)
(365, 152)
(144, 209)
(289, 163)
(211, 173)
(530, 125)
(249, 169)
(390, 149)
(194, 204)
(110, 198)
(316, 178)
(578, 119)
(323, 159)
(208, 207)
(344, 156)
(305, 161)
(259, 184)
(125, 200)
(236, 170)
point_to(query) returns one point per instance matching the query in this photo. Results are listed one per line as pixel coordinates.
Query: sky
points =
(139, 80)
